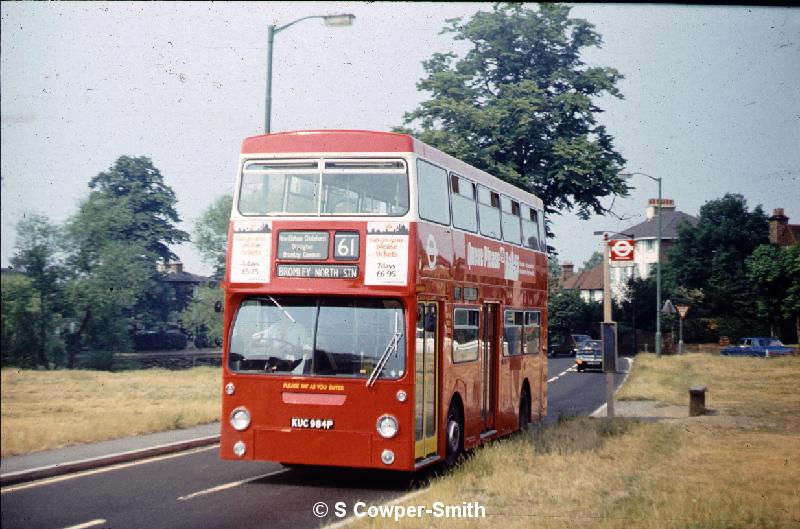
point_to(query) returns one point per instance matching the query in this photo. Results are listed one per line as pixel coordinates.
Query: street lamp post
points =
(658, 265)
(344, 19)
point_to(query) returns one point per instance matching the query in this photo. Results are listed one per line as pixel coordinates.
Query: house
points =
(183, 284)
(645, 237)
(781, 233)
(589, 283)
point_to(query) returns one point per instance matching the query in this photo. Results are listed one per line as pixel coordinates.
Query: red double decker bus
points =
(385, 304)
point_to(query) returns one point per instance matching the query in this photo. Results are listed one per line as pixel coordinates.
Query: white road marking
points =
(92, 523)
(57, 479)
(571, 369)
(230, 485)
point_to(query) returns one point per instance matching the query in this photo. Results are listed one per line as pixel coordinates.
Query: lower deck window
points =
(318, 336)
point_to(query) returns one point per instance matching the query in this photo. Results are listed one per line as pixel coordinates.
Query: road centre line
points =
(568, 370)
(230, 485)
(49, 481)
(86, 525)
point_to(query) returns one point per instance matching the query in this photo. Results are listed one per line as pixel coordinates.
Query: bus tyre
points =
(524, 411)
(454, 431)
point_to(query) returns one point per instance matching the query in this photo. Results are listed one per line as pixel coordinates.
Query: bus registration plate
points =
(312, 424)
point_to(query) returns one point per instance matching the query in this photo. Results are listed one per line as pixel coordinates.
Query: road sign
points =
(621, 249)
(682, 310)
(668, 308)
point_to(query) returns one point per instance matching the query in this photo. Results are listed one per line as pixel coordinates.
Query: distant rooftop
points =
(670, 220)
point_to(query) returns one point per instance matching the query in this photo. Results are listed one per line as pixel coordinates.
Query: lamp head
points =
(343, 19)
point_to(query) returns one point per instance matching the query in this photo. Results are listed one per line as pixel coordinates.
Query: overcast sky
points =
(712, 96)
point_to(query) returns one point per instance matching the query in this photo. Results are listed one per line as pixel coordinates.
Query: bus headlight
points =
(240, 419)
(387, 426)
(387, 457)
(239, 449)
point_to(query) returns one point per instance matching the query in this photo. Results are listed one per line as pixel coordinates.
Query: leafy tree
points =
(38, 256)
(18, 306)
(710, 258)
(521, 105)
(596, 259)
(774, 273)
(569, 314)
(121, 230)
(211, 234)
(201, 319)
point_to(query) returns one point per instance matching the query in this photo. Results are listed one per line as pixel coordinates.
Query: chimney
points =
(567, 270)
(778, 225)
(652, 206)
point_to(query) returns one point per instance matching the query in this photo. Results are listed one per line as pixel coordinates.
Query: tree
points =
(710, 258)
(38, 256)
(201, 319)
(774, 273)
(18, 306)
(569, 314)
(521, 105)
(596, 259)
(211, 234)
(121, 230)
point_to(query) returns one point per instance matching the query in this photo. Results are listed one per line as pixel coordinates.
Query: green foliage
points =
(569, 314)
(596, 259)
(19, 306)
(119, 233)
(33, 305)
(774, 273)
(201, 320)
(211, 234)
(520, 105)
(710, 258)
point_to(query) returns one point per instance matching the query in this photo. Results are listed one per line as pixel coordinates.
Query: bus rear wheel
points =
(454, 431)
(524, 411)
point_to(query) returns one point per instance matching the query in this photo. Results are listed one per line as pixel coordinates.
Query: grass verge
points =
(51, 409)
(681, 473)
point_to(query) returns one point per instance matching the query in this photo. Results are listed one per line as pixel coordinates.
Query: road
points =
(196, 490)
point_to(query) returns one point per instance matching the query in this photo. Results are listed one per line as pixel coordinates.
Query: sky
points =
(711, 97)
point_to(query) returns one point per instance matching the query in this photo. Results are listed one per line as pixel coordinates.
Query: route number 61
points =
(345, 246)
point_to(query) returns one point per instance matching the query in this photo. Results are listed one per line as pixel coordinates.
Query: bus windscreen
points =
(318, 336)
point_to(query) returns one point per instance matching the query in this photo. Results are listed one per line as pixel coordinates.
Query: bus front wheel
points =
(455, 436)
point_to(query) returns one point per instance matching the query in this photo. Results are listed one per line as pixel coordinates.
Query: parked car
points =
(757, 346)
(590, 355)
(560, 346)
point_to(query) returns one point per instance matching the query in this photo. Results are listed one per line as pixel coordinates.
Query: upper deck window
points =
(434, 203)
(342, 187)
(489, 212)
(465, 214)
(511, 220)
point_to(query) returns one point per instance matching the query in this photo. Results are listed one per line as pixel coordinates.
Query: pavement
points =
(49, 463)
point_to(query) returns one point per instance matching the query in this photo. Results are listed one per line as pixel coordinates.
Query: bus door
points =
(426, 377)
(489, 365)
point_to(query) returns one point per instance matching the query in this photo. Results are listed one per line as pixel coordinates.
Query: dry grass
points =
(682, 474)
(51, 409)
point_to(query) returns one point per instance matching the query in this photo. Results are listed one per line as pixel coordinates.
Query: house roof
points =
(591, 279)
(670, 220)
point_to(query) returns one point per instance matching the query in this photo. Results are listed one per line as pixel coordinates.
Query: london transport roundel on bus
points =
(621, 250)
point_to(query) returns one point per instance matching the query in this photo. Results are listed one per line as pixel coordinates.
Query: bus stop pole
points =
(607, 318)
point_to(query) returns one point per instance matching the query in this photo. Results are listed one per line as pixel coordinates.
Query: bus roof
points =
(366, 141)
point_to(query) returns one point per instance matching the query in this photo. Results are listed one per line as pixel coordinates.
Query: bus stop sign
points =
(621, 250)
